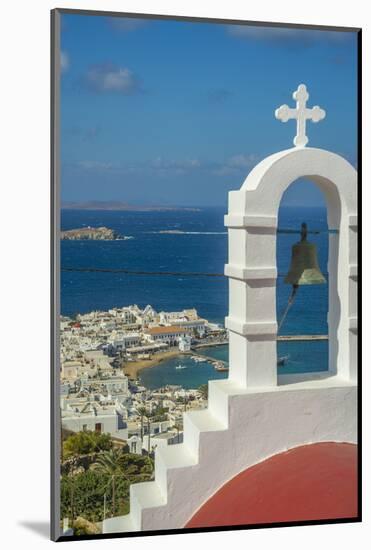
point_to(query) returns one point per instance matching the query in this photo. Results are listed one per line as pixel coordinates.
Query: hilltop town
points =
(101, 351)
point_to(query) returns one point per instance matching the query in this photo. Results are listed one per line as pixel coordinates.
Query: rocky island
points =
(90, 233)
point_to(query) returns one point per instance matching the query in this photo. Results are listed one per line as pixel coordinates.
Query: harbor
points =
(133, 369)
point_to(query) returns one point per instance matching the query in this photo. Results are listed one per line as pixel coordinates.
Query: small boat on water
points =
(282, 360)
(180, 367)
(220, 367)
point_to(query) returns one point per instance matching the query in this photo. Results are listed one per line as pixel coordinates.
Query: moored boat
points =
(220, 367)
(282, 361)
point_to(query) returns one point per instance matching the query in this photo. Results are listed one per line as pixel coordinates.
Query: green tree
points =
(83, 443)
(160, 414)
(83, 494)
(109, 463)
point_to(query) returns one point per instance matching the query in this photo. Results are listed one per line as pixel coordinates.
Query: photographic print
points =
(204, 274)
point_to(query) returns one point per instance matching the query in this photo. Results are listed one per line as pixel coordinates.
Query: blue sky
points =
(167, 112)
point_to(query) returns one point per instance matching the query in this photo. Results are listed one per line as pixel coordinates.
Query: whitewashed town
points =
(101, 355)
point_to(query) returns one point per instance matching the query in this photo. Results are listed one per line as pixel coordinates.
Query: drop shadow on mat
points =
(41, 528)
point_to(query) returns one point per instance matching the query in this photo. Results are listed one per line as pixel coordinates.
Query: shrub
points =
(82, 526)
(82, 494)
(83, 443)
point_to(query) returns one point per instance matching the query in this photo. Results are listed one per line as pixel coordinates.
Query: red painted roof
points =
(313, 482)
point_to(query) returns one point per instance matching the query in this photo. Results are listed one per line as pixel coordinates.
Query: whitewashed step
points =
(119, 524)
(153, 494)
(220, 392)
(144, 495)
(196, 423)
(172, 456)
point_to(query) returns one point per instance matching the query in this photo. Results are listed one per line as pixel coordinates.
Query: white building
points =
(70, 370)
(197, 325)
(108, 324)
(173, 316)
(98, 359)
(184, 343)
(117, 384)
(123, 340)
(135, 444)
(149, 314)
(94, 417)
(170, 335)
(128, 316)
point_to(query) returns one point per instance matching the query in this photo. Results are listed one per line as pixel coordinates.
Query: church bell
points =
(304, 269)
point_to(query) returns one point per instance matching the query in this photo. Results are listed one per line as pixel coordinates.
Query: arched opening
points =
(302, 343)
(252, 223)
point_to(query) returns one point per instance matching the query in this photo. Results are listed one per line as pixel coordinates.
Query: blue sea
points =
(200, 245)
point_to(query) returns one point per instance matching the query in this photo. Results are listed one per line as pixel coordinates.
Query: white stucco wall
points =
(255, 414)
(240, 429)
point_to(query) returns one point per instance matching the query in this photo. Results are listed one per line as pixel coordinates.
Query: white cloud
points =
(180, 164)
(242, 161)
(175, 167)
(108, 78)
(65, 61)
(95, 165)
(236, 165)
(127, 24)
(287, 36)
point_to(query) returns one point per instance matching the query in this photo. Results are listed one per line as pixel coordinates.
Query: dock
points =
(302, 337)
(283, 338)
(209, 359)
(210, 344)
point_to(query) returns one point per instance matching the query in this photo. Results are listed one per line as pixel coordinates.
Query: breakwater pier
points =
(303, 337)
(224, 364)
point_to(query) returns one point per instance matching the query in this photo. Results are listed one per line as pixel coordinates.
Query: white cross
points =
(301, 113)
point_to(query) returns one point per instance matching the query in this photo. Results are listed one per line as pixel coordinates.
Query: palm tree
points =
(142, 411)
(109, 463)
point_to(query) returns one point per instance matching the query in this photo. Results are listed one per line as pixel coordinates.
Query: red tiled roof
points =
(166, 330)
(313, 482)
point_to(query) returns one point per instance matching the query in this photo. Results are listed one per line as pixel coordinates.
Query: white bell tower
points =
(255, 414)
(252, 228)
